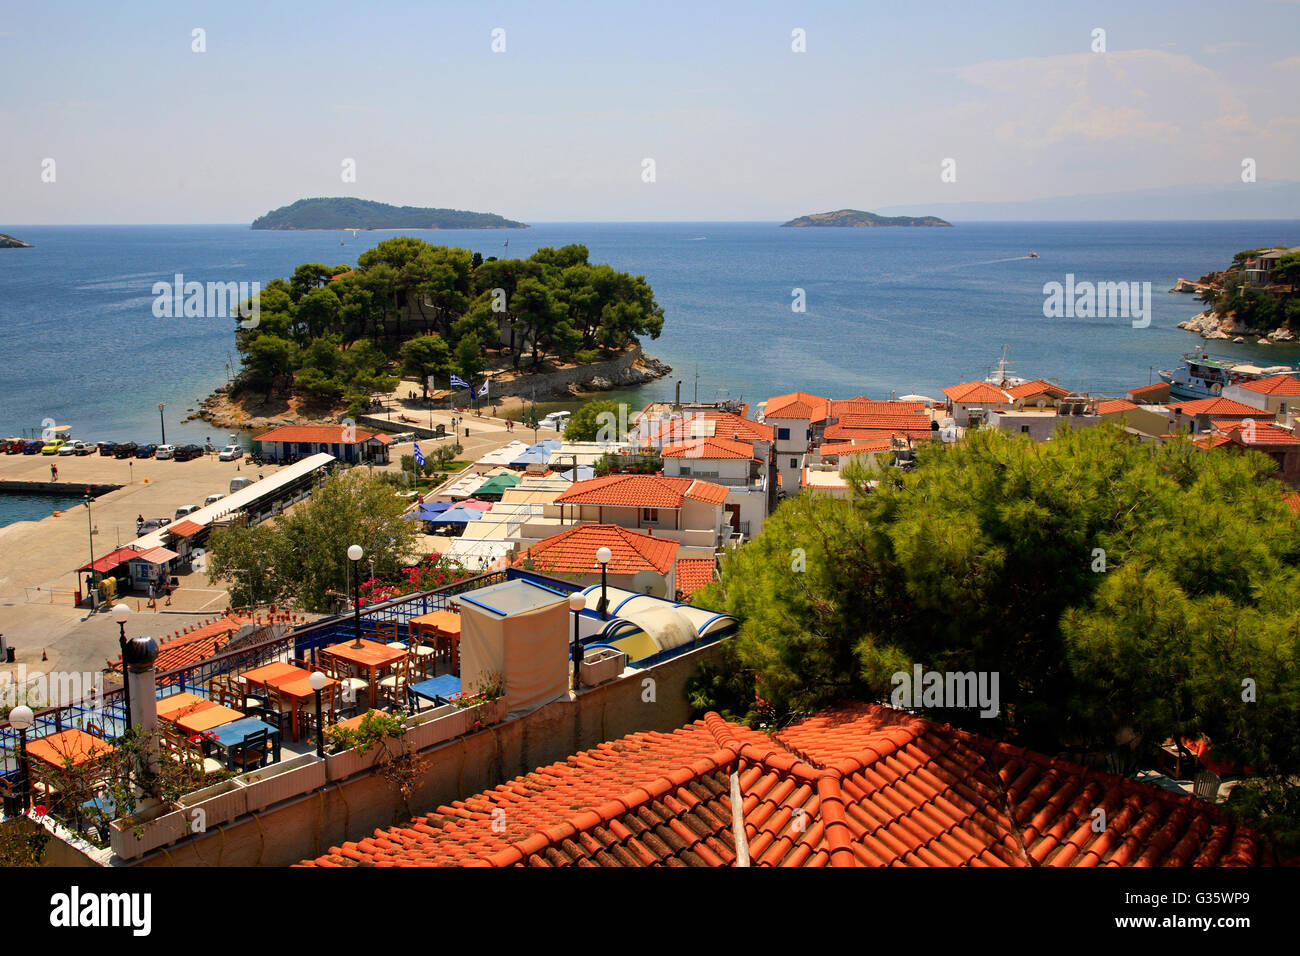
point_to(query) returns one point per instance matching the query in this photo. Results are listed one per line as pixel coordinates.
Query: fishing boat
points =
(1001, 374)
(1033, 255)
(1203, 376)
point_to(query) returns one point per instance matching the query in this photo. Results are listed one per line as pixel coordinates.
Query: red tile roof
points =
(1215, 406)
(797, 405)
(977, 393)
(641, 491)
(328, 434)
(1293, 502)
(1275, 385)
(1038, 386)
(1250, 432)
(907, 422)
(574, 551)
(1118, 405)
(860, 785)
(868, 406)
(183, 529)
(1155, 388)
(725, 425)
(709, 448)
(693, 574)
(845, 433)
(832, 449)
(196, 645)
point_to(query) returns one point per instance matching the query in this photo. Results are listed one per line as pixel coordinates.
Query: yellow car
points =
(52, 447)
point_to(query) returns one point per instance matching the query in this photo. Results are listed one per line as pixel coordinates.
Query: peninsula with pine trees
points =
(344, 212)
(857, 219)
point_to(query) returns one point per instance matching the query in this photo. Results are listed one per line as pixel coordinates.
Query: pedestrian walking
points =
(54, 472)
(168, 591)
(152, 593)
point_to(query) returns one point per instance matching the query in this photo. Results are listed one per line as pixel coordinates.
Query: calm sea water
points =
(25, 507)
(887, 310)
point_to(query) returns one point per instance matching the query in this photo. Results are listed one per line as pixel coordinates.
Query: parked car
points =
(145, 451)
(230, 453)
(164, 451)
(184, 510)
(52, 447)
(105, 448)
(33, 446)
(73, 448)
(12, 446)
(237, 483)
(187, 452)
(212, 500)
(125, 450)
(86, 448)
(151, 524)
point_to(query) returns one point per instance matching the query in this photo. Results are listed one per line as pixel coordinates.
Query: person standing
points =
(167, 589)
(54, 472)
(152, 592)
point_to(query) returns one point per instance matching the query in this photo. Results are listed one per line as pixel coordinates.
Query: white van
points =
(237, 483)
(212, 500)
(184, 510)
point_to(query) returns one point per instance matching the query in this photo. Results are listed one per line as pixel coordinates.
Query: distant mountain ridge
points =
(345, 212)
(857, 219)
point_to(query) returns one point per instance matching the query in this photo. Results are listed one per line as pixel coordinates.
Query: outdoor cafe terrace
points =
(248, 717)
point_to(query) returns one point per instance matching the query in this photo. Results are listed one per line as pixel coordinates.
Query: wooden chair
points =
(1206, 786)
(392, 686)
(352, 686)
(277, 712)
(252, 752)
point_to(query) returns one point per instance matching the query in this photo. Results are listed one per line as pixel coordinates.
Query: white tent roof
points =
(504, 455)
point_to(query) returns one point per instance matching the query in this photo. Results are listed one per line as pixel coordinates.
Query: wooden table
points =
(71, 746)
(445, 623)
(205, 718)
(354, 723)
(371, 656)
(297, 688)
(269, 673)
(169, 708)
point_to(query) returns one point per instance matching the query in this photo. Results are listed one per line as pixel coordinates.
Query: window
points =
(794, 462)
(649, 514)
(1024, 429)
(783, 434)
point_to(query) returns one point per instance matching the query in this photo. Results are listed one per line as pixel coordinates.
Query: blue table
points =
(231, 735)
(440, 690)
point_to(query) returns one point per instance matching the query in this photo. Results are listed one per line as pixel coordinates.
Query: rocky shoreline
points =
(262, 413)
(1227, 328)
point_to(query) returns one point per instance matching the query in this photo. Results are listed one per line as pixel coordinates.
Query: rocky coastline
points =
(262, 412)
(1219, 328)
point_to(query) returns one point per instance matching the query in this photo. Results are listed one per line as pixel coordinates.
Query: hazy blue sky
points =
(143, 129)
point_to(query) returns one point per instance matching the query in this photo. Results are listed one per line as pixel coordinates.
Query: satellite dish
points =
(648, 582)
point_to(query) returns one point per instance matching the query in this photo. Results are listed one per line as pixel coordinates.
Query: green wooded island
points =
(857, 219)
(9, 242)
(344, 212)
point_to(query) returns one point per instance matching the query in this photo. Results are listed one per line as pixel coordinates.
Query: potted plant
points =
(279, 781)
(355, 749)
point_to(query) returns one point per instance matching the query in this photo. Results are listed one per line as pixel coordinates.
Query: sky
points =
(559, 125)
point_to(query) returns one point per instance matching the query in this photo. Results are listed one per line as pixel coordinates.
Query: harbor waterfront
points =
(901, 310)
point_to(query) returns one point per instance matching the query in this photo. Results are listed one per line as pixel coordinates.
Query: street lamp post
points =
(162, 424)
(317, 682)
(120, 613)
(604, 555)
(90, 536)
(20, 718)
(354, 555)
(577, 601)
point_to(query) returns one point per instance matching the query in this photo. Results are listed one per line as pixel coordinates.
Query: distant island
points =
(347, 213)
(857, 219)
(9, 242)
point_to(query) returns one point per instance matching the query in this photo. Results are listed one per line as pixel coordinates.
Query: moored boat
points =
(1203, 376)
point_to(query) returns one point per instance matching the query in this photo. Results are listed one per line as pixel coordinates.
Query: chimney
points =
(677, 402)
(138, 674)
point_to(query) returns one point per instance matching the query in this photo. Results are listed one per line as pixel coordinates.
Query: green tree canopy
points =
(586, 423)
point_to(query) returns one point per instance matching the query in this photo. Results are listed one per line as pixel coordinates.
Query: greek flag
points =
(419, 456)
(458, 382)
(482, 392)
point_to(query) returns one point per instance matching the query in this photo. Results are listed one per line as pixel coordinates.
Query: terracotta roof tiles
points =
(574, 551)
(797, 405)
(859, 785)
(693, 574)
(977, 393)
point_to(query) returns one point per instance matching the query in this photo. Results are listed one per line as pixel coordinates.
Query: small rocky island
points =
(343, 212)
(9, 242)
(857, 219)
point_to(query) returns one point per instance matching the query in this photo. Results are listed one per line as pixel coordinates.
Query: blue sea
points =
(886, 310)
